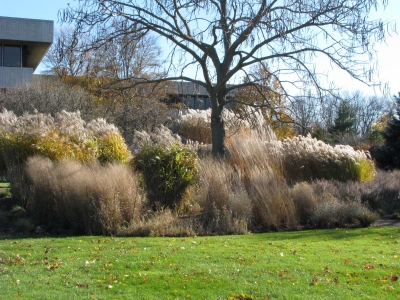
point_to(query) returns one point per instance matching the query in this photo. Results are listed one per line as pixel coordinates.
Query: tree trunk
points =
(218, 131)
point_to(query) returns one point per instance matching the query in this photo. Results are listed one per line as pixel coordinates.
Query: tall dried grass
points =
(305, 200)
(221, 197)
(248, 151)
(262, 175)
(90, 199)
(383, 194)
(273, 207)
(162, 223)
(338, 204)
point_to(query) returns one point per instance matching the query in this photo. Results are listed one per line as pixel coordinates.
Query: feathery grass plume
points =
(64, 137)
(87, 199)
(195, 125)
(306, 159)
(167, 173)
(194, 128)
(160, 136)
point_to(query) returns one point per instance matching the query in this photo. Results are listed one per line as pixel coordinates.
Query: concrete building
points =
(23, 44)
(192, 95)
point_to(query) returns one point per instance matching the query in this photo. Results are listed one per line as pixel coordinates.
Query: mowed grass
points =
(321, 264)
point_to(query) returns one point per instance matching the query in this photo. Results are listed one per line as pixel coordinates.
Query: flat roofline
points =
(30, 30)
(36, 34)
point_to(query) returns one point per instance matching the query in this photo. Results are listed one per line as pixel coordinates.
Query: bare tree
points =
(64, 57)
(368, 110)
(269, 96)
(133, 53)
(129, 54)
(305, 111)
(222, 38)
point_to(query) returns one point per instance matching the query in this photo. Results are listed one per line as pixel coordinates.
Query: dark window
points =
(25, 54)
(1, 55)
(12, 56)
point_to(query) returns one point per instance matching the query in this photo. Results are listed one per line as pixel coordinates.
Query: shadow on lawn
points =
(311, 235)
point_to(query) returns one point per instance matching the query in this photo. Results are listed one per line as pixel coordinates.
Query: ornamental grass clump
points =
(304, 200)
(167, 173)
(328, 204)
(68, 196)
(383, 194)
(221, 198)
(261, 174)
(194, 126)
(307, 159)
(66, 136)
(160, 136)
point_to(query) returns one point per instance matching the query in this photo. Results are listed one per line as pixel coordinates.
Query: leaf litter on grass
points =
(352, 263)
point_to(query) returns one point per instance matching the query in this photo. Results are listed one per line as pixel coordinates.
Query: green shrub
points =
(112, 148)
(167, 173)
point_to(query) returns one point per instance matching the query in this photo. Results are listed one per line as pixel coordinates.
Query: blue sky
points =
(389, 53)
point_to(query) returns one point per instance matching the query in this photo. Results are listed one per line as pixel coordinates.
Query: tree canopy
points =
(392, 135)
(215, 42)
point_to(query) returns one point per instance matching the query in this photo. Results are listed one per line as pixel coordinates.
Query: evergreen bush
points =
(167, 173)
(391, 136)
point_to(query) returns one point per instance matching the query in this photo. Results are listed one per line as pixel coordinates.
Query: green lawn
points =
(321, 264)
